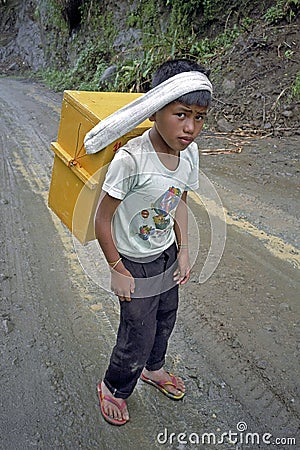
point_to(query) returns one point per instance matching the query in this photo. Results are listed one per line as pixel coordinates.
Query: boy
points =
(141, 226)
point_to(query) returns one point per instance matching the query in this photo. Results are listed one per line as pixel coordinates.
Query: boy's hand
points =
(122, 282)
(183, 271)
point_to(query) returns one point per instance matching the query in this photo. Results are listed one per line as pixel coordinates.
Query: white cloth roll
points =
(127, 118)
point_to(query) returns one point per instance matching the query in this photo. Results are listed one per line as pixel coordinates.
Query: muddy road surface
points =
(236, 342)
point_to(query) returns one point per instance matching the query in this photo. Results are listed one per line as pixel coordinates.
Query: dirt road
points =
(237, 338)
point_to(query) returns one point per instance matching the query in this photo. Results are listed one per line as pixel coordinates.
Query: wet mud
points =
(236, 341)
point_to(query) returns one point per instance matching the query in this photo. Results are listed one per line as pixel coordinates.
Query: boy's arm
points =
(122, 282)
(182, 273)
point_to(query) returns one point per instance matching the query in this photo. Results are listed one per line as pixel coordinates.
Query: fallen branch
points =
(221, 151)
(278, 98)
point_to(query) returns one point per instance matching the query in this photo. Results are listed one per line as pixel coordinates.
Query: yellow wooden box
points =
(77, 177)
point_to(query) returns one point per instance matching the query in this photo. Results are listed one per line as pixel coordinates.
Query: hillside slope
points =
(255, 80)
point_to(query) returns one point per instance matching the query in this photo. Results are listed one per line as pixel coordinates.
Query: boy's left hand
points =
(183, 271)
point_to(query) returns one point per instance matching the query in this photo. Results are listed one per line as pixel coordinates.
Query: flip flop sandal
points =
(108, 398)
(161, 386)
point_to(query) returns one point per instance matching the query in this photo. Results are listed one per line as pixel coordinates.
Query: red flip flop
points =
(161, 386)
(110, 399)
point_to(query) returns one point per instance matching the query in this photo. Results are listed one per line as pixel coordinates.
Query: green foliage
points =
(134, 75)
(247, 23)
(166, 37)
(208, 49)
(55, 79)
(50, 15)
(216, 11)
(210, 9)
(36, 14)
(296, 88)
(183, 14)
(147, 18)
(53, 14)
(92, 53)
(88, 68)
(85, 74)
(133, 20)
(283, 9)
(289, 54)
(97, 21)
(168, 29)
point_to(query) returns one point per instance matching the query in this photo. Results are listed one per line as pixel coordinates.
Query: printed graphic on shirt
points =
(158, 217)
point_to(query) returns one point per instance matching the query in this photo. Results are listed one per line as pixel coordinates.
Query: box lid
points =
(98, 105)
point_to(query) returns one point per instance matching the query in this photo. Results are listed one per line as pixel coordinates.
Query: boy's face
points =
(176, 126)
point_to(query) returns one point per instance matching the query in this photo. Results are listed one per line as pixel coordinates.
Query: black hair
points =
(173, 67)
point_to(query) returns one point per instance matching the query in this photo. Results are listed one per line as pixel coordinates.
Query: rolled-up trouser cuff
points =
(115, 392)
(156, 366)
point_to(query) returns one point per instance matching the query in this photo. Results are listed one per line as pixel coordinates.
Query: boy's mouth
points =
(186, 140)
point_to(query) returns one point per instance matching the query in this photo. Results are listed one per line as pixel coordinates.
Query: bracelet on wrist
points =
(183, 246)
(114, 264)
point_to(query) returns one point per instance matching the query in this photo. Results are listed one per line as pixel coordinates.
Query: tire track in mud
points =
(268, 407)
(279, 248)
(37, 174)
(21, 348)
(21, 155)
(272, 408)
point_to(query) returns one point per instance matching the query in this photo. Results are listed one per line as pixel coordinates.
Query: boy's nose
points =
(189, 126)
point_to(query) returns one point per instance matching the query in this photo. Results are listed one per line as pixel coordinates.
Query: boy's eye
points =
(198, 118)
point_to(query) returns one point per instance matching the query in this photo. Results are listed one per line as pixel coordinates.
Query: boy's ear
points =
(152, 118)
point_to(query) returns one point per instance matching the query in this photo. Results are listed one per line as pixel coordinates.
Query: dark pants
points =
(145, 323)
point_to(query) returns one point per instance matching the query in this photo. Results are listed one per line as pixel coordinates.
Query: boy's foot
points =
(114, 410)
(173, 387)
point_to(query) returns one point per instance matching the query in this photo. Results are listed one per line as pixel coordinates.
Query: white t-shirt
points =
(144, 221)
